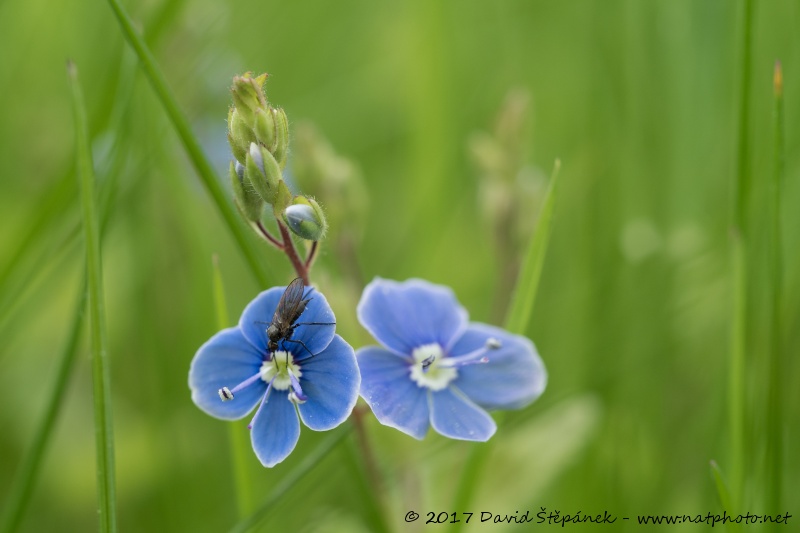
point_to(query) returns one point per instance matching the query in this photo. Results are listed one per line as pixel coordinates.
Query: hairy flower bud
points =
(263, 172)
(248, 94)
(250, 204)
(264, 128)
(281, 137)
(306, 219)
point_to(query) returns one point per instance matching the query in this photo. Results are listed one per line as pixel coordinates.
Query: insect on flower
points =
(284, 321)
(287, 370)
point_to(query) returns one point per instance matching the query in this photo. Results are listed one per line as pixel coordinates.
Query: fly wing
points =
(290, 305)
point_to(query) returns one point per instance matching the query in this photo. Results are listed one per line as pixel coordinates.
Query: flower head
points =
(312, 373)
(437, 369)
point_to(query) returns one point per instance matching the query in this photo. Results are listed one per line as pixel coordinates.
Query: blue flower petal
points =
(258, 314)
(275, 429)
(225, 360)
(514, 375)
(454, 416)
(330, 381)
(404, 316)
(386, 386)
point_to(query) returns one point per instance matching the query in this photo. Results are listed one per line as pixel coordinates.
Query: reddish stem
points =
(291, 253)
(268, 236)
(312, 254)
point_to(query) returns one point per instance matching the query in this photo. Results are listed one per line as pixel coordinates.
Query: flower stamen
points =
(474, 357)
(226, 394)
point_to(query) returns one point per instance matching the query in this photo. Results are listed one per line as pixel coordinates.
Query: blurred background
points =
(439, 112)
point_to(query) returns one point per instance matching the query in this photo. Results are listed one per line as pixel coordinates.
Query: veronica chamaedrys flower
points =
(314, 373)
(437, 369)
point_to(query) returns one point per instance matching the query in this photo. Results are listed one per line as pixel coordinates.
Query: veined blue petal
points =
(386, 386)
(275, 429)
(330, 381)
(454, 416)
(404, 316)
(225, 360)
(513, 377)
(258, 314)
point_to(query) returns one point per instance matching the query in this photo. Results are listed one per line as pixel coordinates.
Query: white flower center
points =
(428, 371)
(279, 370)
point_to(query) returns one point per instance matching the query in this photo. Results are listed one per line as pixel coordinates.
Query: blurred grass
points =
(638, 99)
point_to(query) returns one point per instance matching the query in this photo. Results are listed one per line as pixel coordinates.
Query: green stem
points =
(23, 485)
(104, 437)
(190, 143)
(776, 363)
(739, 233)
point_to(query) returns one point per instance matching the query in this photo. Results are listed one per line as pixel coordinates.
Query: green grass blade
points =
(724, 495)
(517, 320)
(104, 437)
(776, 362)
(740, 276)
(240, 446)
(191, 144)
(26, 475)
(519, 313)
(282, 488)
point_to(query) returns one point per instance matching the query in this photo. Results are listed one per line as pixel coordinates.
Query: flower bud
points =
(281, 137)
(248, 94)
(264, 128)
(263, 172)
(240, 135)
(250, 204)
(306, 219)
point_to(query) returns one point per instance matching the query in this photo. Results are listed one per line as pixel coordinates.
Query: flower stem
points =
(291, 253)
(264, 232)
(312, 254)
(100, 373)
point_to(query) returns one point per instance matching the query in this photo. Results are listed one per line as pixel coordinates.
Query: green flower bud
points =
(263, 172)
(248, 94)
(240, 135)
(306, 219)
(265, 128)
(281, 150)
(249, 203)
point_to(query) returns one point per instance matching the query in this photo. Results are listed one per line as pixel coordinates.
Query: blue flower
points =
(437, 369)
(314, 373)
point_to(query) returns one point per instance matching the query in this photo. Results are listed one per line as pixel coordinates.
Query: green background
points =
(638, 99)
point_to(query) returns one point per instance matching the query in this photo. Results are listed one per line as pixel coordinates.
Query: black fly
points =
(284, 321)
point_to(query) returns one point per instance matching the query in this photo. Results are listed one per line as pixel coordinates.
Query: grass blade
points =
(282, 488)
(736, 402)
(104, 437)
(238, 438)
(724, 495)
(23, 485)
(517, 320)
(519, 313)
(191, 144)
(775, 361)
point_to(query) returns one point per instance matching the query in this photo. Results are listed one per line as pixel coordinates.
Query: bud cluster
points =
(259, 138)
